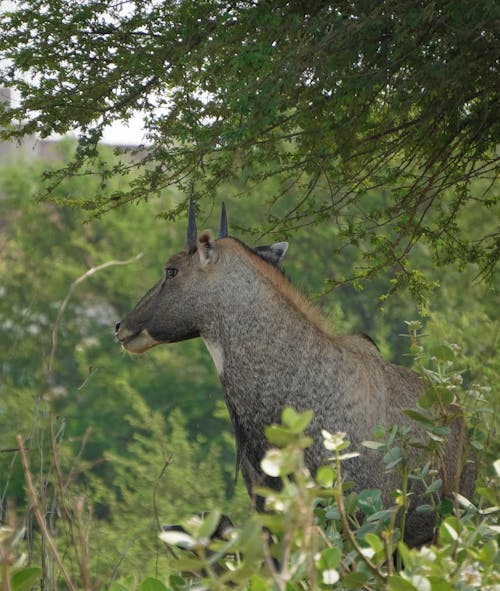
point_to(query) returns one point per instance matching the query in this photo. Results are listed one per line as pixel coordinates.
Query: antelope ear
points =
(206, 248)
(273, 253)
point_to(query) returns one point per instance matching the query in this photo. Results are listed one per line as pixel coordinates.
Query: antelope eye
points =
(171, 272)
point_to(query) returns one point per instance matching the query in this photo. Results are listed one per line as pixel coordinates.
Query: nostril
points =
(117, 327)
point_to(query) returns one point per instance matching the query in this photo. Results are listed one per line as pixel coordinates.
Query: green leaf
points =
(444, 353)
(397, 583)
(425, 508)
(373, 444)
(439, 584)
(26, 578)
(383, 517)
(446, 396)
(348, 485)
(289, 416)
(348, 456)
(427, 399)
(297, 422)
(370, 501)
(187, 563)
(257, 583)
(448, 531)
(151, 584)
(209, 525)
(177, 582)
(249, 539)
(333, 513)
(445, 507)
(355, 580)
(488, 493)
(279, 436)
(435, 437)
(351, 503)
(488, 552)
(434, 486)
(329, 558)
(393, 457)
(273, 522)
(325, 476)
(374, 542)
(417, 416)
(392, 435)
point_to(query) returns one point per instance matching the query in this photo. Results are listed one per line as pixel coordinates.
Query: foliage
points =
(314, 539)
(115, 442)
(336, 100)
(111, 441)
(323, 535)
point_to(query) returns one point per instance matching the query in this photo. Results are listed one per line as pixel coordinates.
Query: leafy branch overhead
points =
(381, 117)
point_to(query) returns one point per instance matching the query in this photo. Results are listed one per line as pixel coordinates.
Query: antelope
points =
(272, 349)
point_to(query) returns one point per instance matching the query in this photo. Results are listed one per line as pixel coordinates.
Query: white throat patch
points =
(217, 355)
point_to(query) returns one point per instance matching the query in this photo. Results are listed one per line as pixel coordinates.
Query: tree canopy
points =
(334, 99)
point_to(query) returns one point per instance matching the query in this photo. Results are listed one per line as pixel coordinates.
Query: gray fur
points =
(272, 351)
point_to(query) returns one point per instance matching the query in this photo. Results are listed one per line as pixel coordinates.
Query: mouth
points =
(124, 341)
(135, 342)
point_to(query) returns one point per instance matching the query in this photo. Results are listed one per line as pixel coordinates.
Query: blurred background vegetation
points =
(147, 439)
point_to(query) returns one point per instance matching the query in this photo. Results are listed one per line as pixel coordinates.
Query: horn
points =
(223, 222)
(192, 234)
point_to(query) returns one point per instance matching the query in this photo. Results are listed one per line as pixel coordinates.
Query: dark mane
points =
(275, 275)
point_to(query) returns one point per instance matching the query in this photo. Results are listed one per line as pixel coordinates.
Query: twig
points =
(83, 562)
(79, 544)
(268, 559)
(350, 536)
(39, 516)
(348, 531)
(71, 289)
(116, 568)
(166, 464)
(4, 563)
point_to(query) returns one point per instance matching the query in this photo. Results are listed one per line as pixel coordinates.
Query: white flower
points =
(178, 538)
(272, 462)
(330, 577)
(332, 441)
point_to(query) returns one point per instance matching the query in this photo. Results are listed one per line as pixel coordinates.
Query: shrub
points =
(317, 532)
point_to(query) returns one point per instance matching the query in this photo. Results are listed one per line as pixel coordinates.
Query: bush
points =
(320, 534)
(316, 533)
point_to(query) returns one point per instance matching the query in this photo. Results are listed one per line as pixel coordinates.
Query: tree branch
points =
(39, 515)
(72, 287)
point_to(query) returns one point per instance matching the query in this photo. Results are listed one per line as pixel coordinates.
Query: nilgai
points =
(272, 350)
